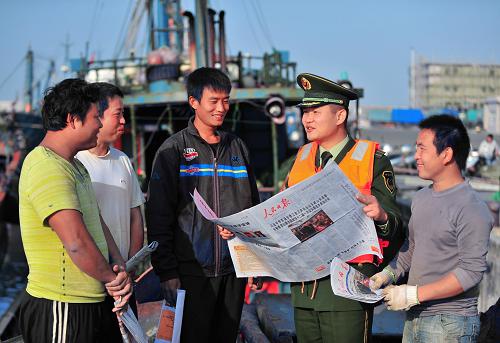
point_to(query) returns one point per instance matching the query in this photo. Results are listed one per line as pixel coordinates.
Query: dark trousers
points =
(42, 320)
(212, 308)
(333, 327)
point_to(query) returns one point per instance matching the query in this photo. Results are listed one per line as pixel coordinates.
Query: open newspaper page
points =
(294, 235)
(349, 283)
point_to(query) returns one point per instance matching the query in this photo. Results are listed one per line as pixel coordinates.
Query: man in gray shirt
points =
(449, 231)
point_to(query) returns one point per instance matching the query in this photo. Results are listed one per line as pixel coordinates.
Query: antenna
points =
(66, 45)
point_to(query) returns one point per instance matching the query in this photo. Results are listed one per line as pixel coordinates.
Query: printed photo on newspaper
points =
(294, 235)
(349, 283)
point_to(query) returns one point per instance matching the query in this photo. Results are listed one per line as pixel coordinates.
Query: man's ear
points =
(193, 102)
(448, 155)
(70, 120)
(341, 116)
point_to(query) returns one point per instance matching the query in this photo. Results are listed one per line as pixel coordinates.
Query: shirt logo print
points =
(190, 154)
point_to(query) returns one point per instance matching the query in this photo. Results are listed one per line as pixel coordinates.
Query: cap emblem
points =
(305, 83)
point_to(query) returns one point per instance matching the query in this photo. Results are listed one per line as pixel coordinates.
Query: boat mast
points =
(201, 30)
(28, 85)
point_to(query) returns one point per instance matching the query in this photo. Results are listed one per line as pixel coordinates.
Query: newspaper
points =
(294, 235)
(129, 319)
(170, 324)
(349, 283)
(140, 256)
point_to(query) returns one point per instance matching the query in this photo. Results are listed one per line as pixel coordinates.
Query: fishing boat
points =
(262, 101)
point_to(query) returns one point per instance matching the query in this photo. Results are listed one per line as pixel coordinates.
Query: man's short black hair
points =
(107, 91)
(346, 116)
(70, 96)
(210, 78)
(449, 132)
(490, 136)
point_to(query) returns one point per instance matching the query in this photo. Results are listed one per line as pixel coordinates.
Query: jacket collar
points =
(350, 143)
(194, 131)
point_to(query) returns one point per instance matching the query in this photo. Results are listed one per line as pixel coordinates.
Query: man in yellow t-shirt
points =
(65, 241)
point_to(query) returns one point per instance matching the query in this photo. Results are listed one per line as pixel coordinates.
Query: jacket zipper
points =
(216, 209)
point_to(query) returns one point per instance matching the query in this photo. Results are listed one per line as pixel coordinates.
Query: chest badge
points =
(190, 154)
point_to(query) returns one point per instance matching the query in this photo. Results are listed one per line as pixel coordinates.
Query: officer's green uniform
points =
(327, 317)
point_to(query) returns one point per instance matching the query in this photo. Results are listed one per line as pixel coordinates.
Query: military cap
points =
(319, 91)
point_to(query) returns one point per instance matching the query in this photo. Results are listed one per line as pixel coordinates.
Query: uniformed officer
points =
(321, 316)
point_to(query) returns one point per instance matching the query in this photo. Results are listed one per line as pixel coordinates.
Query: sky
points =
(370, 40)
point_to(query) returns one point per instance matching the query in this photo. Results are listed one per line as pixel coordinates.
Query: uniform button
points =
(360, 265)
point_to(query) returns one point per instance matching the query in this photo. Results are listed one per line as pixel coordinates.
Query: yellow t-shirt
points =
(48, 184)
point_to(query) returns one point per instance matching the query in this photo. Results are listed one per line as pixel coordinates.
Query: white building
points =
(452, 85)
(491, 115)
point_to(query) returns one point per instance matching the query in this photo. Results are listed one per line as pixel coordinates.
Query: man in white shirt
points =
(115, 183)
(488, 149)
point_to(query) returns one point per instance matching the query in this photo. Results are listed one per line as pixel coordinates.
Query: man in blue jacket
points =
(192, 255)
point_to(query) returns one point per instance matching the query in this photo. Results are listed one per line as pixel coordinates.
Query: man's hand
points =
(400, 297)
(381, 280)
(132, 276)
(121, 285)
(225, 233)
(255, 283)
(372, 208)
(120, 288)
(169, 289)
(121, 303)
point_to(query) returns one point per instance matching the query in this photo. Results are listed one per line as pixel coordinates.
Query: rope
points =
(251, 26)
(121, 37)
(262, 22)
(12, 73)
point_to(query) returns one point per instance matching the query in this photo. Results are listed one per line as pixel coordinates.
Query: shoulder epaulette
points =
(379, 153)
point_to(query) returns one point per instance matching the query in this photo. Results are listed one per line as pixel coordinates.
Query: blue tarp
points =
(380, 115)
(407, 116)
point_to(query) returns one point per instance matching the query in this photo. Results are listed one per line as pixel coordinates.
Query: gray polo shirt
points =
(448, 233)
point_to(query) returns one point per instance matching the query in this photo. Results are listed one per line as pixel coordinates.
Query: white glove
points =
(382, 279)
(400, 297)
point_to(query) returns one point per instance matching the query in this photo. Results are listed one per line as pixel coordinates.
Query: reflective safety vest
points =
(357, 165)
